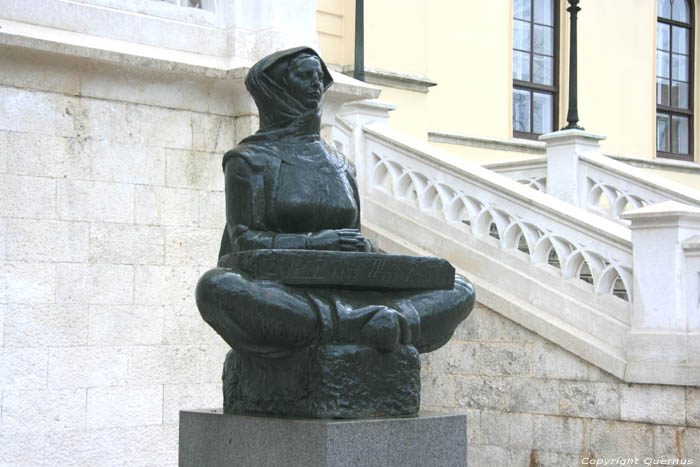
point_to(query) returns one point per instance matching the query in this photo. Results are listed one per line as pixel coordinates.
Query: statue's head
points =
(288, 87)
(305, 80)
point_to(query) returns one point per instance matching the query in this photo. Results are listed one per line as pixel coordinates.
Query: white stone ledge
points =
(564, 137)
(40, 58)
(148, 22)
(158, 9)
(509, 145)
(658, 164)
(74, 44)
(534, 163)
(393, 79)
(692, 245)
(667, 209)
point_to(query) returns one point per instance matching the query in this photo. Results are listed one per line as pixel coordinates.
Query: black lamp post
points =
(359, 72)
(572, 116)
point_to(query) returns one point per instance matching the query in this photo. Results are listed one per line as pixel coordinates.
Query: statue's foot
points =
(376, 326)
(385, 330)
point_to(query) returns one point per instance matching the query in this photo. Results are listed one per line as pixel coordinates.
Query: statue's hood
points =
(280, 113)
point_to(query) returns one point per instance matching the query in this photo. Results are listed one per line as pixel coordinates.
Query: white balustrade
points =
(576, 172)
(625, 299)
(611, 187)
(485, 204)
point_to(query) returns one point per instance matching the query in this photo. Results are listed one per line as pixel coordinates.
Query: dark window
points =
(674, 80)
(535, 67)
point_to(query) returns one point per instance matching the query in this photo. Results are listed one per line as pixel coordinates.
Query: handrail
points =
(607, 186)
(583, 220)
(611, 187)
(487, 204)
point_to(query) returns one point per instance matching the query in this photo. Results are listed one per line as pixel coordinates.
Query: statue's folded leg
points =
(383, 319)
(440, 313)
(259, 316)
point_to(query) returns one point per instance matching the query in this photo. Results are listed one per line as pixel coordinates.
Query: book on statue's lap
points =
(343, 269)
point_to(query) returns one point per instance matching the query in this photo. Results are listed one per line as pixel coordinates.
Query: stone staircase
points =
(596, 256)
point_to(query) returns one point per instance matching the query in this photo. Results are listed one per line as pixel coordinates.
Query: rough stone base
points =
(327, 381)
(211, 438)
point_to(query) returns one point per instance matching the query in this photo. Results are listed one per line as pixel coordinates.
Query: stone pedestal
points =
(211, 438)
(324, 382)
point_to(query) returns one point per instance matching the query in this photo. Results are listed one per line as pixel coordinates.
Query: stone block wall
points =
(109, 212)
(532, 404)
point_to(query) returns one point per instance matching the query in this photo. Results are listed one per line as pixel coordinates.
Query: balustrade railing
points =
(572, 275)
(487, 205)
(611, 187)
(602, 185)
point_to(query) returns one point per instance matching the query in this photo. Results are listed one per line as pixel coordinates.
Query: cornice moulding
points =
(393, 79)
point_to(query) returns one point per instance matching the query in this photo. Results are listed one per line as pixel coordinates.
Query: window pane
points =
(521, 65)
(542, 111)
(542, 69)
(679, 95)
(662, 94)
(544, 12)
(680, 40)
(521, 110)
(521, 35)
(664, 9)
(663, 36)
(662, 132)
(679, 70)
(543, 42)
(521, 9)
(662, 64)
(679, 135)
(681, 12)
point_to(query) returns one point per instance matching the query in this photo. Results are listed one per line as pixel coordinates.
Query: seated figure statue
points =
(311, 350)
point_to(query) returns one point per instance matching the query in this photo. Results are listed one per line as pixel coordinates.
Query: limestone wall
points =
(111, 208)
(109, 212)
(531, 403)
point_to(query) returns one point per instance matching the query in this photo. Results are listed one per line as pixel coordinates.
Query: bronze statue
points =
(313, 349)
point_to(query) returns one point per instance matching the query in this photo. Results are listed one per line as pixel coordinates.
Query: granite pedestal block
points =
(213, 439)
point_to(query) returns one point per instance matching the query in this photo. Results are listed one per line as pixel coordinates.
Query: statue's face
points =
(305, 82)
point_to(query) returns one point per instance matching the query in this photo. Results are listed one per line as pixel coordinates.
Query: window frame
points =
(530, 86)
(668, 109)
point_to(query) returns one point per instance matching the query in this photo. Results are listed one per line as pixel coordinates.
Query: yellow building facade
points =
(448, 67)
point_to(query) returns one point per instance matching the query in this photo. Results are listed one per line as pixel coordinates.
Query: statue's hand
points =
(338, 240)
(351, 240)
